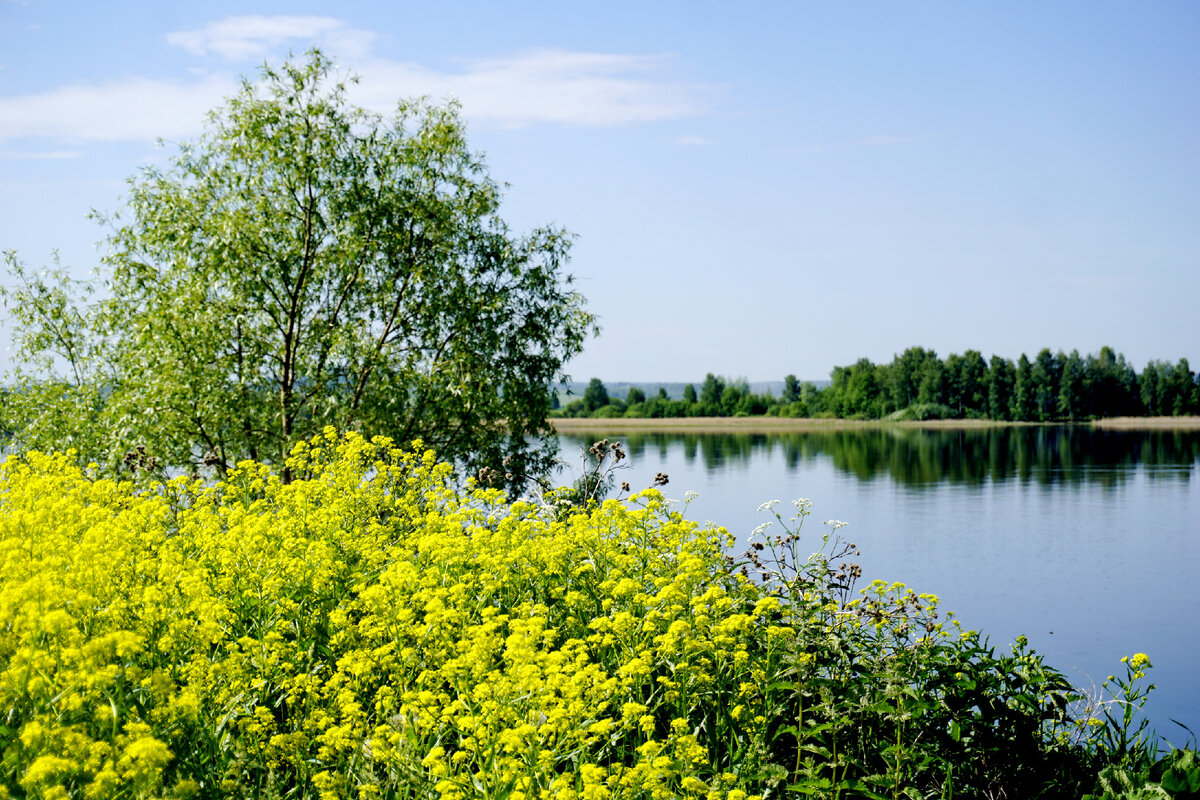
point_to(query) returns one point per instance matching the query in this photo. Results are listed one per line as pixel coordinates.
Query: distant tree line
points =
(917, 384)
(716, 397)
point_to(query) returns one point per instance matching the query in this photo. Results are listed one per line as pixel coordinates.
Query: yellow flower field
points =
(369, 631)
(361, 632)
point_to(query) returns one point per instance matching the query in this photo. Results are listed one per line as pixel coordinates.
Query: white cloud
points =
(543, 86)
(255, 37)
(137, 109)
(40, 155)
(538, 87)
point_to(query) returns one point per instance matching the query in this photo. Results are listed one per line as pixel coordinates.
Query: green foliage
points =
(1054, 387)
(1022, 401)
(904, 375)
(304, 263)
(856, 392)
(1071, 387)
(1176, 776)
(711, 393)
(923, 411)
(596, 395)
(1046, 376)
(969, 381)
(791, 389)
(883, 697)
(1001, 384)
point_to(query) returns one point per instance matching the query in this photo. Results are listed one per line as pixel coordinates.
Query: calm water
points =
(1087, 542)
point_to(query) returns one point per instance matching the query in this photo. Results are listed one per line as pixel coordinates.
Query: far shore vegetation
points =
(767, 424)
(918, 386)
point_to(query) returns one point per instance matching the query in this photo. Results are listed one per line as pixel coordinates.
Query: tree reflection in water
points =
(1045, 455)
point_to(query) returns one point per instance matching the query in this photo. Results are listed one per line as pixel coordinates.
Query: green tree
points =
(689, 394)
(1180, 391)
(635, 395)
(1155, 388)
(1001, 378)
(932, 385)
(711, 393)
(1022, 407)
(1071, 389)
(1045, 376)
(972, 384)
(1110, 384)
(811, 399)
(856, 391)
(1129, 397)
(307, 263)
(791, 389)
(735, 397)
(595, 396)
(904, 375)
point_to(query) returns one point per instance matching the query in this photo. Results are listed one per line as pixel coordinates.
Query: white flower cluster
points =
(760, 531)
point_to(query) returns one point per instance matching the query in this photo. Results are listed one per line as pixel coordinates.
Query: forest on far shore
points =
(919, 385)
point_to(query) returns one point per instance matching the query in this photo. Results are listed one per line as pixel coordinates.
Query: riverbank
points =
(766, 424)
(1149, 423)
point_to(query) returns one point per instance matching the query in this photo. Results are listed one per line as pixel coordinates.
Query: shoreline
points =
(1149, 423)
(764, 424)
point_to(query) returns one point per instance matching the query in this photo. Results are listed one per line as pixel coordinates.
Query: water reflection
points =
(926, 457)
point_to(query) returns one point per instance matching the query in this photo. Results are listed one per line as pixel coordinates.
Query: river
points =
(1086, 541)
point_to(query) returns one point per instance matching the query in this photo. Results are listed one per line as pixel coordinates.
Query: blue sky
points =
(758, 189)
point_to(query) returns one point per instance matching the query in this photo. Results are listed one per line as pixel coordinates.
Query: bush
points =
(575, 408)
(367, 630)
(922, 411)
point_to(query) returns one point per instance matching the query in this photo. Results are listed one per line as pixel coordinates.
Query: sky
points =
(757, 189)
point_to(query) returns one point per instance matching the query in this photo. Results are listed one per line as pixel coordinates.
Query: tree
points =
(1001, 379)
(791, 389)
(931, 386)
(595, 396)
(1111, 385)
(904, 375)
(1023, 400)
(634, 396)
(856, 390)
(1046, 374)
(972, 383)
(1154, 384)
(952, 391)
(1071, 387)
(307, 263)
(711, 392)
(733, 397)
(1181, 389)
